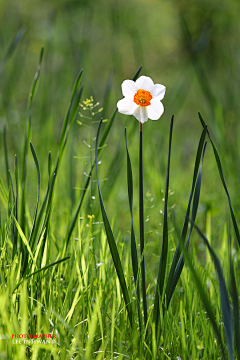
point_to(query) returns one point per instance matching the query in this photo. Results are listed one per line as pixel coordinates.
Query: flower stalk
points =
(141, 224)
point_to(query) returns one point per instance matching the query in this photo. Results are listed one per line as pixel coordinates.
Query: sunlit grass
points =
(57, 272)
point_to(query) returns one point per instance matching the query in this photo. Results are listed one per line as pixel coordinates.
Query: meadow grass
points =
(58, 274)
(69, 286)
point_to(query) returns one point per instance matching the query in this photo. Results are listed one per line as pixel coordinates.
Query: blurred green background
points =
(193, 48)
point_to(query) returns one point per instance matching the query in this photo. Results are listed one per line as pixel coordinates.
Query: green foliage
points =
(57, 271)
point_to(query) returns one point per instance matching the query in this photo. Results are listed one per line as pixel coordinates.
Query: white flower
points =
(142, 99)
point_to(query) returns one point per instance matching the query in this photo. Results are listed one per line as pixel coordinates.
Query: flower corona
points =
(142, 99)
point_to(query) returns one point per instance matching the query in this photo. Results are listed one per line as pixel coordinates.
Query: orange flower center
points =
(142, 97)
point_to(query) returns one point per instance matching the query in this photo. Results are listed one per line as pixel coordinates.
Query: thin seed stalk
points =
(141, 222)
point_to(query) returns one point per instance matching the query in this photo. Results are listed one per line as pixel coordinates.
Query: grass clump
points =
(78, 279)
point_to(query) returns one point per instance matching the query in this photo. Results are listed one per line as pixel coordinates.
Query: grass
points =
(78, 297)
(80, 301)
(57, 271)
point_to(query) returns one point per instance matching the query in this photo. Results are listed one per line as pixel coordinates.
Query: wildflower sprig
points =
(88, 105)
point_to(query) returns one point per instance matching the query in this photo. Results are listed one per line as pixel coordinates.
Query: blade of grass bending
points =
(203, 295)
(235, 298)
(112, 243)
(39, 218)
(227, 317)
(163, 258)
(194, 48)
(42, 269)
(141, 229)
(18, 37)
(102, 143)
(44, 227)
(220, 170)
(69, 118)
(30, 240)
(4, 191)
(24, 239)
(38, 191)
(180, 264)
(185, 224)
(133, 242)
(35, 82)
(27, 140)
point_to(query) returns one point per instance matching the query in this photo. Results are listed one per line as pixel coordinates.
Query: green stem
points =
(141, 222)
(91, 162)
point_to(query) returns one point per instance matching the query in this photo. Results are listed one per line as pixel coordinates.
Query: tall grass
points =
(83, 283)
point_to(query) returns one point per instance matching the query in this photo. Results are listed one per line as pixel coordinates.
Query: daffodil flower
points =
(142, 99)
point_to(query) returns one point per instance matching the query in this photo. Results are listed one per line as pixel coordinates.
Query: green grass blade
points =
(31, 239)
(194, 49)
(101, 145)
(16, 208)
(11, 187)
(180, 264)
(227, 317)
(37, 250)
(16, 188)
(133, 241)
(107, 129)
(220, 170)
(68, 121)
(185, 224)
(24, 239)
(206, 301)
(44, 203)
(163, 258)
(45, 223)
(137, 73)
(112, 243)
(13, 206)
(75, 216)
(38, 191)
(49, 207)
(35, 82)
(18, 37)
(42, 269)
(4, 191)
(27, 140)
(235, 301)
(6, 154)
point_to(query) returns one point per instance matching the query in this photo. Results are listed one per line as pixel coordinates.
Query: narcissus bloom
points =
(142, 99)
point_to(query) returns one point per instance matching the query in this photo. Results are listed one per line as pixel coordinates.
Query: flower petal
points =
(158, 92)
(155, 110)
(126, 106)
(145, 83)
(141, 114)
(129, 88)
